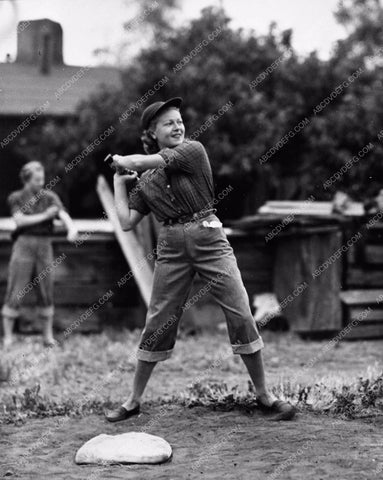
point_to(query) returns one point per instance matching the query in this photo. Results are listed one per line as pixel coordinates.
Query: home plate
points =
(131, 447)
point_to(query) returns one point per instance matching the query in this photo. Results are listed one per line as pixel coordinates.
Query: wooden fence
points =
(349, 289)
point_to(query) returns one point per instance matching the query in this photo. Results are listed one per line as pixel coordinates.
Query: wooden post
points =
(130, 246)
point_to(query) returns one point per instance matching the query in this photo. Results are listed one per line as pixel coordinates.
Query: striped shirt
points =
(182, 186)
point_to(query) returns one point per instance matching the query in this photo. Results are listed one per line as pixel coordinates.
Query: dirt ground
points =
(206, 443)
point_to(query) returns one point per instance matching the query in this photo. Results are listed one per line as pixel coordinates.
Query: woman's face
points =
(37, 180)
(169, 130)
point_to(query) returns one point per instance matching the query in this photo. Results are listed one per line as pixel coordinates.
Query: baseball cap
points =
(155, 108)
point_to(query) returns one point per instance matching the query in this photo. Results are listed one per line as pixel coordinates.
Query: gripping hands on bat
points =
(112, 161)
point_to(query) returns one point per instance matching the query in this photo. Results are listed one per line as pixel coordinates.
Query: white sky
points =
(90, 24)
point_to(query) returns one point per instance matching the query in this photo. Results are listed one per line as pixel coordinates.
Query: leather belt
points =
(189, 217)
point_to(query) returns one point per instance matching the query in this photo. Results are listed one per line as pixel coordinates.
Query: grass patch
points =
(75, 378)
(363, 398)
(32, 404)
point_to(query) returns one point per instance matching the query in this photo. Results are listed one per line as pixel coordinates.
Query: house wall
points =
(10, 163)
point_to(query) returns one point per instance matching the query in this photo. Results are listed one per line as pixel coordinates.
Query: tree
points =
(267, 90)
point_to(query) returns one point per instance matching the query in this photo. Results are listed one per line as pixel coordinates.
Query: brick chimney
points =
(40, 43)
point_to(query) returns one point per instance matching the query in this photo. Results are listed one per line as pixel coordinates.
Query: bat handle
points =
(117, 168)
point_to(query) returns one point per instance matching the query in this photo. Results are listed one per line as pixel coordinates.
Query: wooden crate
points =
(288, 260)
(318, 307)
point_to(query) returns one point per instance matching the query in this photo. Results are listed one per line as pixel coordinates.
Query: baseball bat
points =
(120, 170)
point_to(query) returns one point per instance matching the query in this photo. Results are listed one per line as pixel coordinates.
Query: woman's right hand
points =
(124, 178)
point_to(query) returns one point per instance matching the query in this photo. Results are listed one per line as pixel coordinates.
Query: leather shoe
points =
(284, 410)
(121, 413)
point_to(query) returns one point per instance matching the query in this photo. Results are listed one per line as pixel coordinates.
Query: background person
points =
(177, 186)
(33, 209)
(375, 205)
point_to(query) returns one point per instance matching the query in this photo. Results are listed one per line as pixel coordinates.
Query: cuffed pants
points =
(184, 250)
(30, 268)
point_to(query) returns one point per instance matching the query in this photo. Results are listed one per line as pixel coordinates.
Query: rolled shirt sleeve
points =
(14, 202)
(186, 157)
(54, 199)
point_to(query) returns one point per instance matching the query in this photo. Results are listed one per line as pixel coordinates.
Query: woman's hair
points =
(149, 143)
(28, 170)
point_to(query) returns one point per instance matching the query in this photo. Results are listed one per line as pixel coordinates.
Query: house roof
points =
(23, 88)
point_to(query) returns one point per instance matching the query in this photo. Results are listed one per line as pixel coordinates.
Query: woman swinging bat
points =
(176, 184)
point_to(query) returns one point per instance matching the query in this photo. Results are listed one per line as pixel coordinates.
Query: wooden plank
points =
(130, 246)
(308, 208)
(365, 331)
(93, 225)
(286, 204)
(7, 224)
(376, 228)
(359, 277)
(361, 297)
(356, 313)
(374, 254)
(293, 211)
